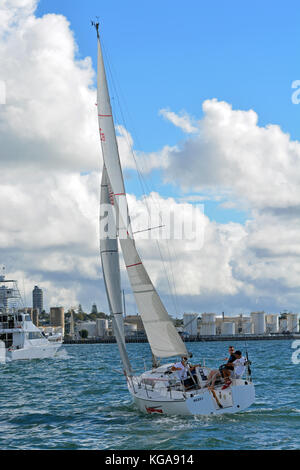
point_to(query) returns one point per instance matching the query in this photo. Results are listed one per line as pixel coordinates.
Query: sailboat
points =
(158, 390)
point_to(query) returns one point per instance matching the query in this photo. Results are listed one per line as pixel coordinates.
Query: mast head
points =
(96, 26)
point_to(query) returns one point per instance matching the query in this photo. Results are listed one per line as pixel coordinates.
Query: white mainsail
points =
(162, 335)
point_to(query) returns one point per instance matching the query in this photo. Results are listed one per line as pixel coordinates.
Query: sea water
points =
(80, 401)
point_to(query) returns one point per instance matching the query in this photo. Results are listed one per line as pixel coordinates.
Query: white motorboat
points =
(19, 337)
(158, 390)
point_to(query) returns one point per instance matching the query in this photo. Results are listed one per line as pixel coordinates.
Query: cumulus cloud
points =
(251, 167)
(50, 100)
(258, 165)
(50, 118)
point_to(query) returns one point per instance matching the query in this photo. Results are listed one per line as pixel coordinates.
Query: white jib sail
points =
(162, 335)
(111, 267)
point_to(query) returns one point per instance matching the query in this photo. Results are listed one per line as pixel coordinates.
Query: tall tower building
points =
(37, 298)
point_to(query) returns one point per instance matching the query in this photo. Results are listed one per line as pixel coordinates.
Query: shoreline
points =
(197, 339)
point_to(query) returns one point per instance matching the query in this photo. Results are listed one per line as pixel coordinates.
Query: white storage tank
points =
(208, 324)
(89, 326)
(190, 323)
(120, 322)
(130, 329)
(208, 317)
(247, 327)
(228, 328)
(292, 322)
(101, 327)
(283, 325)
(259, 322)
(272, 323)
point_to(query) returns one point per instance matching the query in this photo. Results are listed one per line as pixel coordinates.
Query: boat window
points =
(7, 338)
(27, 318)
(34, 335)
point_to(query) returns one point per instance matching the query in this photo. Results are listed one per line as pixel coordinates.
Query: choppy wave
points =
(78, 401)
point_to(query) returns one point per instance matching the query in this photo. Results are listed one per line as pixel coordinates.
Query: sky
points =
(205, 100)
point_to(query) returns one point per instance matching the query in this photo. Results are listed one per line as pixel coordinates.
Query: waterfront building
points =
(242, 324)
(37, 298)
(57, 317)
(35, 316)
(72, 324)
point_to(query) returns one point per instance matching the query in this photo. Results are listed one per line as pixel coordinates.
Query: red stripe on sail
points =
(136, 264)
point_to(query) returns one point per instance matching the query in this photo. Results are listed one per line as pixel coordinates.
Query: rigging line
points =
(141, 179)
(116, 86)
(156, 203)
(144, 185)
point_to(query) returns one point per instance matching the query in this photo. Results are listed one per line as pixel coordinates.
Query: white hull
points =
(33, 352)
(159, 398)
(202, 403)
(22, 340)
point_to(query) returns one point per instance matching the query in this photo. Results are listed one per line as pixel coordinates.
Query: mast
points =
(124, 304)
(162, 335)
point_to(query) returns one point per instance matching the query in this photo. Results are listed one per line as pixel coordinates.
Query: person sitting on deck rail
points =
(231, 357)
(229, 363)
(235, 366)
(239, 365)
